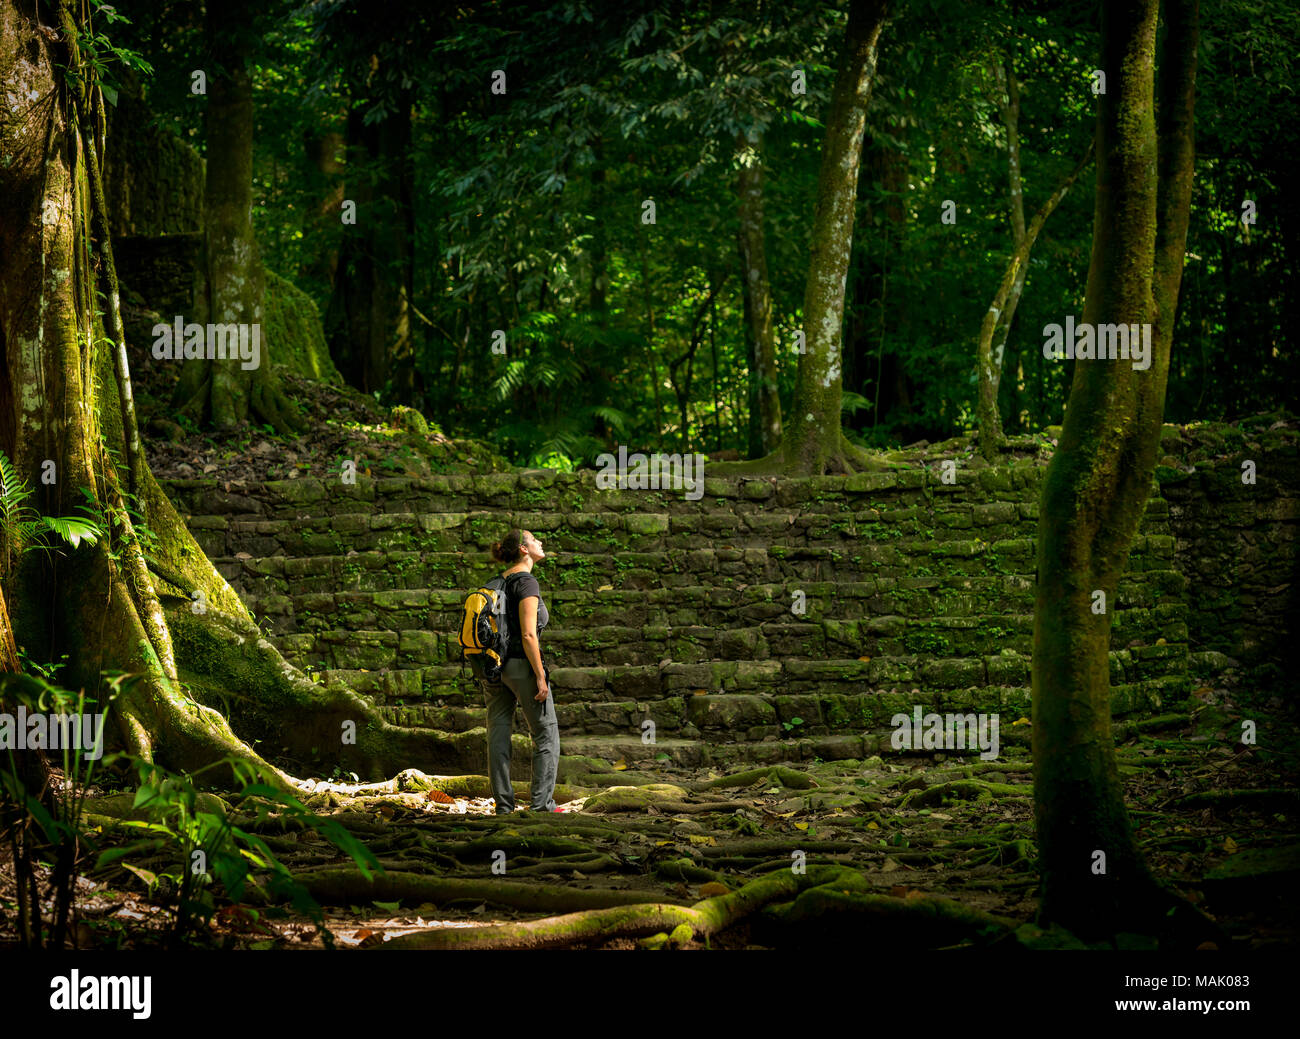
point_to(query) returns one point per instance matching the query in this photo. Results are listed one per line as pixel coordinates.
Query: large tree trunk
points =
(765, 400)
(1094, 879)
(104, 612)
(100, 603)
(224, 393)
(369, 321)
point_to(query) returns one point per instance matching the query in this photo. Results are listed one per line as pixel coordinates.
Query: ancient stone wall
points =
(685, 613)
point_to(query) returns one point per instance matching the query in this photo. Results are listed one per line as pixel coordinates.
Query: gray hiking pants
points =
(519, 686)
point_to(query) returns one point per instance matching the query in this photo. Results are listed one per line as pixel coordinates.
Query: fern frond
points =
(13, 493)
(617, 420)
(851, 402)
(73, 531)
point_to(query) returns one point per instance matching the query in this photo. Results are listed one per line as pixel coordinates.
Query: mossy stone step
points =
(603, 534)
(440, 609)
(542, 490)
(579, 492)
(854, 687)
(1157, 632)
(368, 571)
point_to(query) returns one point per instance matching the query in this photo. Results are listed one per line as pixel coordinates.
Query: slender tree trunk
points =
(713, 350)
(1016, 192)
(989, 360)
(1007, 98)
(682, 387)
(814, 440)
(1094, 879)
(647, 294)
(754, 411)
(758, 296)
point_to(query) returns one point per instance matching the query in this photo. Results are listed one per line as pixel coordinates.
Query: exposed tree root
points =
(227, 660)
(847, 905)
(779, 775)
(706, 917)
(859, 459)
(964, 790)
(768, 465)
(847, 458)
(980, 767)
(588, 865)
(685, 870)
(777, 847)
(695, 807)
(1128, 729)
(348, 886)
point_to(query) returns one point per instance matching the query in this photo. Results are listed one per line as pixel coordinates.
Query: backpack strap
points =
(508, 582)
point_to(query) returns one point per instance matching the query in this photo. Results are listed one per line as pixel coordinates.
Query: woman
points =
(524, 680)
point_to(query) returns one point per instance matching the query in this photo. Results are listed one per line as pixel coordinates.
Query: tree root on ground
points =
(779, 775)
(703, 918)
(844, 905)
(687, 871)
(348, 887)
(964, 790)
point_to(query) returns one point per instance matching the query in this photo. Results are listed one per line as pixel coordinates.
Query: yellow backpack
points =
(485, 630)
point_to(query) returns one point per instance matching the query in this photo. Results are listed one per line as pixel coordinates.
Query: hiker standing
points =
(525, 680)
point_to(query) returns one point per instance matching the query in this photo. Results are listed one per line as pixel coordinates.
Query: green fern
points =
(22, 528)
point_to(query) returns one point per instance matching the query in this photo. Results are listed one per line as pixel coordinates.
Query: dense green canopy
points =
(527, 198)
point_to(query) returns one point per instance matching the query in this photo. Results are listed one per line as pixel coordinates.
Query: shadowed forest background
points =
(486, 244)
(523, 211)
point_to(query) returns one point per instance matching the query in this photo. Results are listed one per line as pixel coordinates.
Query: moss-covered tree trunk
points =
(1094, 879)
(223, 392)
(368, 322)
(185, 637)
(813, 440)
(100, 606)
(764, 398)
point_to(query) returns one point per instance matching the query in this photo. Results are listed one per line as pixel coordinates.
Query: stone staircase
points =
(682, 612)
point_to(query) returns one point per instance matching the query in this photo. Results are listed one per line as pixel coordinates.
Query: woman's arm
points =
(533, 645)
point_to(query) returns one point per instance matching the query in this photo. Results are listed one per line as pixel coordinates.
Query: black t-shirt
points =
(520, 586)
